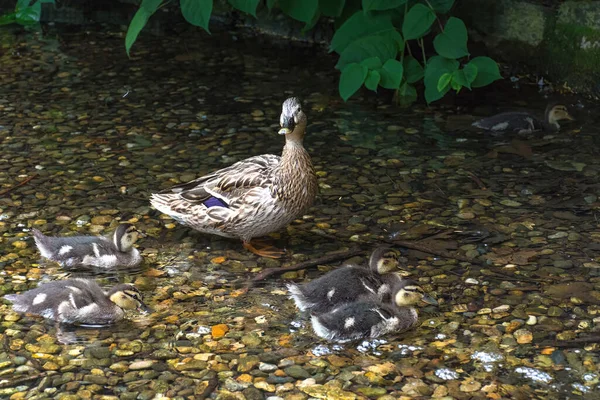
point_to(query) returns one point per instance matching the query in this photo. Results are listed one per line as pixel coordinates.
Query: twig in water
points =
(18, 381)
(477, 181)
(2, 193)
(305, 265)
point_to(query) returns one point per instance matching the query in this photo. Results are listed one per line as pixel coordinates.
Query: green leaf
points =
(380, 5)
(441, 6)
(300, 10)
(487, 71)
(372, 63)
(391, 74)
(247, 6)
(147, 8)
(358, 26)
(271, 4)
(407, 94)
(452, 42)
(444, 81)
(470, 71)
(352, 79)
(435, 68)
(460, 80)
(311, 24)
(455, 85)
(332, 8)
(372, 81)
(197, 12)
(8, 19)
(417, 21)
(21, 4)
(383, 45)
(28, 14)
(412, 69)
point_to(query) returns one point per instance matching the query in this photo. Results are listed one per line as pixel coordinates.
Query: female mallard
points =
(348, 283)
(370, 318)
(79, 301)
(96, 251)
(252, 197)
(523, 122)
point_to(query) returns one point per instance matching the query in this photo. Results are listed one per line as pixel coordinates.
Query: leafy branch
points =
(372, 41)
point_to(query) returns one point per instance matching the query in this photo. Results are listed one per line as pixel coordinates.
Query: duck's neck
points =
(550, 123)
(295, 170)
(294, 150)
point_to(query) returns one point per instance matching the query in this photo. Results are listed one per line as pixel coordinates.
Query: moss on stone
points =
(572, 53)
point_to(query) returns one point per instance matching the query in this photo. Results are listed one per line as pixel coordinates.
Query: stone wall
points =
(560, 42)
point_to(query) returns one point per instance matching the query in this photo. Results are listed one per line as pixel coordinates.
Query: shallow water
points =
(514, 264)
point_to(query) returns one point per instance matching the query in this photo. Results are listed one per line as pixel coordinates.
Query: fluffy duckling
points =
(252, 197)
(347, 283)
(97, 251)
(523, 122)
(369, 318)
(79, 301)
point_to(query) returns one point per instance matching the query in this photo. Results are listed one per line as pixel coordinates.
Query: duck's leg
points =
(263, 249)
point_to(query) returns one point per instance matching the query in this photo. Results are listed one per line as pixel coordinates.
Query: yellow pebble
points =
(218, 331)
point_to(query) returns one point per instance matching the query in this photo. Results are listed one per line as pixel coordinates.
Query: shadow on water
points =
(511, 222)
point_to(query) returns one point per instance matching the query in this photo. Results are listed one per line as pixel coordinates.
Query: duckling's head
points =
(125, 236)
(384, 259)
(128, 297)
(557, 112)
(408, 293)
(293, 119)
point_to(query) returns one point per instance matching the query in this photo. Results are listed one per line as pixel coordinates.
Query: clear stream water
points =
(96, 133)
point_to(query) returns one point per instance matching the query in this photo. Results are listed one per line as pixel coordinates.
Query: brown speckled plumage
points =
(262, 194)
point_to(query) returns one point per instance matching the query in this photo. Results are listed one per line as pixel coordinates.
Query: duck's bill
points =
(284, 131)
(569, 117)
(429, 300)
(144, 308)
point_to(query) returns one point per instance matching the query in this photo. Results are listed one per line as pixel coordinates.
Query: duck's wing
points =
(348, 321)
(228, 184)
(510, 121)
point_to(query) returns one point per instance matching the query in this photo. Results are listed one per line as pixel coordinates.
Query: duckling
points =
(97, 251)
(79, 300)
(252, 197)
(369, 318)
(347, 283)
(523, 122)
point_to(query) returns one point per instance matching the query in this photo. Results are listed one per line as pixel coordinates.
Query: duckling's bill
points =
(143, 307)
(429, 300)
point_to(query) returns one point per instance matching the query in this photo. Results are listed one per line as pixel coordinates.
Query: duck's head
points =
(125, 236)
(383, 260)
(128, 297)
(408, 293)
(293, 119)
(557, 112)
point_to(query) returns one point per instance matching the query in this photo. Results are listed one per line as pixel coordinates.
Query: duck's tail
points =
(168, 204)
(299, 298)
(41, 241)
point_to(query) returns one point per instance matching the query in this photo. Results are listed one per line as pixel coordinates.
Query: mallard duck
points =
(97, 251)
(369, 318)
(523, 122)
(252, 197)
(79, 301)
(348, 283)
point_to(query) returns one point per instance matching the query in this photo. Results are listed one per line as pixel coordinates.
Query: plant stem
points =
(436, 16)
(420, 41)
